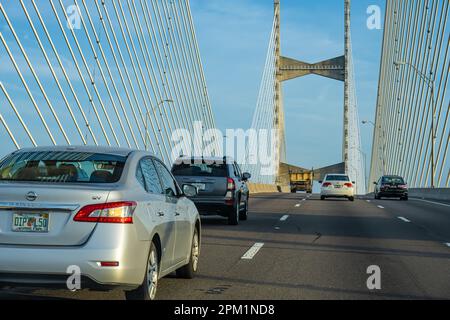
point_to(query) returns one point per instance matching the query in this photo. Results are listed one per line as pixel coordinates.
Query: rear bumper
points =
(337, 193)
(214, 206)
(50, 266)
(393, 194)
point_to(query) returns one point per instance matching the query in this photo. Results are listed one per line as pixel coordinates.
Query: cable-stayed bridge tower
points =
(280, 69)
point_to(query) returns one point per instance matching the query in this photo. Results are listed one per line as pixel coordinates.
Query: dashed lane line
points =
(404, 219)
(284, 218)
(251, 253)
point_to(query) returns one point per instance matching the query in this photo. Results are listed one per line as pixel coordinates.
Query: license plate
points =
(30, 222)
(338, 186)
(199, 186)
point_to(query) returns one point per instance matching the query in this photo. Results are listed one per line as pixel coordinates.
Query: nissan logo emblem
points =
(31, 196)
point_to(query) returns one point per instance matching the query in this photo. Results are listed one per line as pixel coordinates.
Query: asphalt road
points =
(312, 249)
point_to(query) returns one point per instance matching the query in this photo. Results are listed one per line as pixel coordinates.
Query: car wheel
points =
(405, 198)
(189, 270)
(233, 218)
(147, 290)
(244, 214)
(322, 198)
(351, 199)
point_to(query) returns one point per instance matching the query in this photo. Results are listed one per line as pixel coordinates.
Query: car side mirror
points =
(246, 176)
(353, 182)
(190, 190)
(320, 182)
(375, 183)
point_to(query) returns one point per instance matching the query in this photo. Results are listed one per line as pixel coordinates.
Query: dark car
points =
(391, 187)
(222, 187)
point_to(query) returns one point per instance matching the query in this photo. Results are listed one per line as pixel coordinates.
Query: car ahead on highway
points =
(116, 214)
(337, 186)
(222, 187)
(391, 187)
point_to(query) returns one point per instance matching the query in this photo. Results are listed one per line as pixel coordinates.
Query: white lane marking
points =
(447, 244)
(381, 207)
(432, 202)
(368, 201)
(284, 218)
(303, 199)
(277, 228)
(404, 219)
(297, 205)
(252, 251)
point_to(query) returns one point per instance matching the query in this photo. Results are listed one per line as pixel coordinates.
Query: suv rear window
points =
(200, 170)
(62, 167)
(337, 178)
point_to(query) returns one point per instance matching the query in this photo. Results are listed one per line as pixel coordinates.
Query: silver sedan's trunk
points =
(59, 203)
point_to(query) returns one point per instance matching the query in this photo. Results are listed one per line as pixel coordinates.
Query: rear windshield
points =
(337, 178)
(393, 180)
(200, 170)
(62, 167)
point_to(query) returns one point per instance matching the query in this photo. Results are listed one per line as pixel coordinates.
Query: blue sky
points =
(233, 37)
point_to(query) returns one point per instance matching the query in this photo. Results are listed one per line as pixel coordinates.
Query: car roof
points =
(392, 177)
(124, 152)
(337, 174)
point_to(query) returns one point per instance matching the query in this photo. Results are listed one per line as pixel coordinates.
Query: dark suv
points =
(391, 187)
(222, 187)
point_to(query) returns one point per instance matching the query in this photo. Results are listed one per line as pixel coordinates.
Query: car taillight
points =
(403, 186)
(231, 186)
(327, 184)
(349, 185)
(114, 212)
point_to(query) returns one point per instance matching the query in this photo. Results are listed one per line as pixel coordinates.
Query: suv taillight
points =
(114, 212)
(403, 186)
(231, 186)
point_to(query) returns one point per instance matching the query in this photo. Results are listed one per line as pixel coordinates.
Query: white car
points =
(337, 186)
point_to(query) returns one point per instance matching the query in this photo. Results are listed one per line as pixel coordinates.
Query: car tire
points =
(351, 199)
(147, 290)
(188, 271)
(233, 218)
(322, 198)
(243, 215)
(405, 198)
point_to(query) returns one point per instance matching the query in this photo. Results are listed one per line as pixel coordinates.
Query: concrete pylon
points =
(289, 69)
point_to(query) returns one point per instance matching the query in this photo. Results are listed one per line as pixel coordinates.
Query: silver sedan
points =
(89, 217)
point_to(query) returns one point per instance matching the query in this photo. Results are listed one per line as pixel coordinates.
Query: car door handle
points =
(160, 214)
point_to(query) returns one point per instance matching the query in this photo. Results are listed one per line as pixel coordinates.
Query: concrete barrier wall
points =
(262, 188)
(432, 194)
(267, 188)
